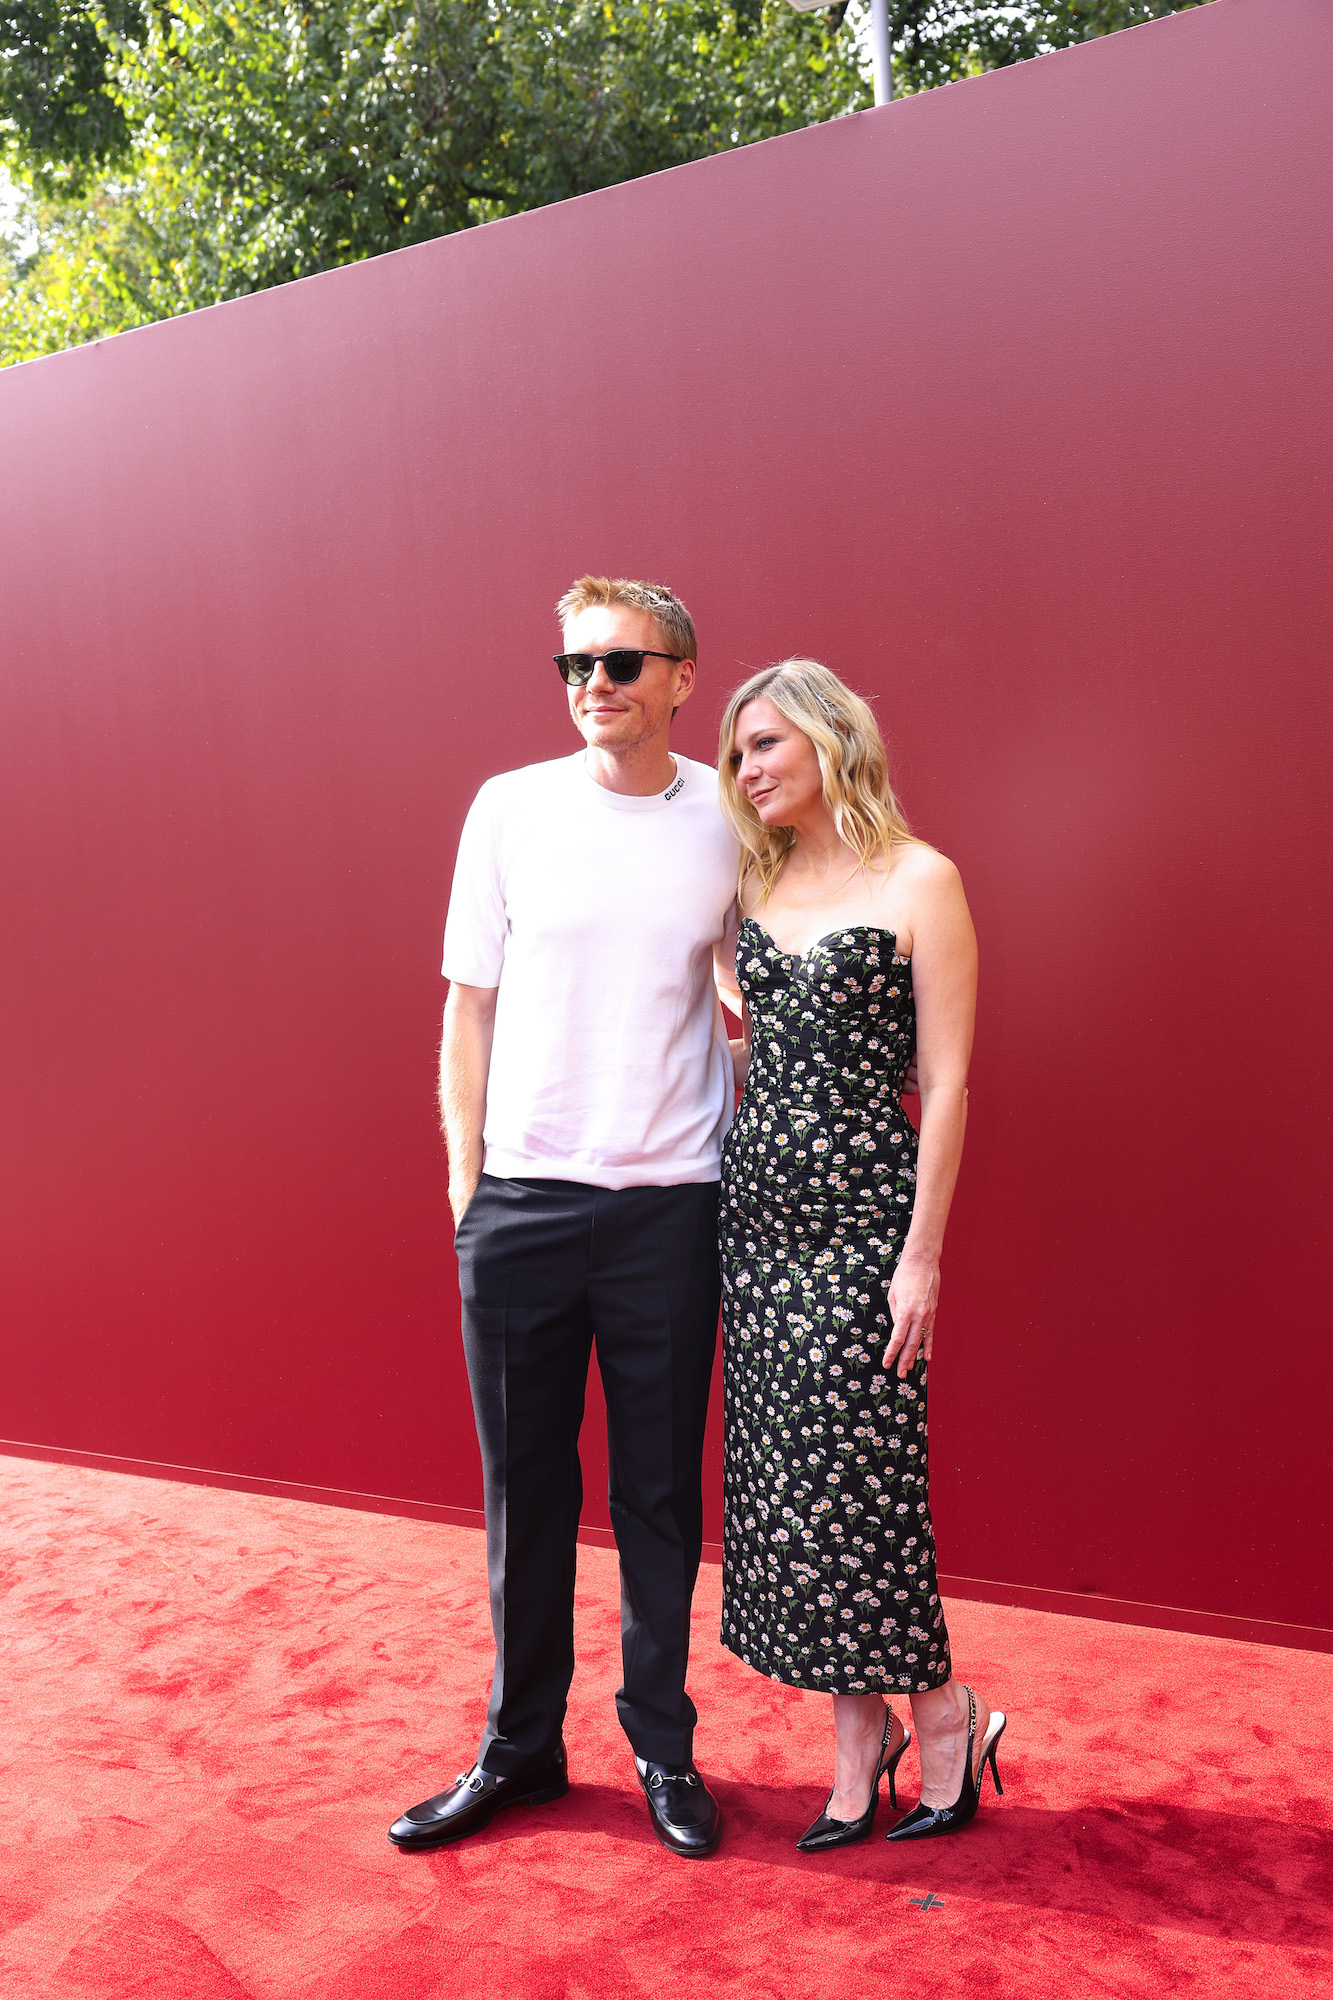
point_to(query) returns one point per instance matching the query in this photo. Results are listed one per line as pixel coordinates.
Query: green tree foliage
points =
(272, 138)
(170, 153)
(306, 139)
(56, 104)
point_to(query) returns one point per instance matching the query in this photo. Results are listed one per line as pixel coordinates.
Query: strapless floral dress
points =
(828, 1550)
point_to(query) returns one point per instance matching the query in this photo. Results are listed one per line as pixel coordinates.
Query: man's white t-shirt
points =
(596, 915)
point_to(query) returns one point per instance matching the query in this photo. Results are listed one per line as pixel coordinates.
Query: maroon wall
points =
(1011, 402)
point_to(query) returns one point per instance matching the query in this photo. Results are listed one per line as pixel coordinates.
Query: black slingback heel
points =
(826, 1832)
(929, 1822)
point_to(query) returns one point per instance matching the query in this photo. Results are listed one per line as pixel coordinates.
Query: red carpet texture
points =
(212, 1704)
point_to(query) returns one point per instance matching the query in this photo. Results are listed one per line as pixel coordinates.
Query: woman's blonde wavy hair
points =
(852, 760)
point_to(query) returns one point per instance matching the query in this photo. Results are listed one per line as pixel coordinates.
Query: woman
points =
(855, 948)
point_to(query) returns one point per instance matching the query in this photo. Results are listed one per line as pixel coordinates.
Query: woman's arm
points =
(944, 981)
(740, 1050)
(729, 992)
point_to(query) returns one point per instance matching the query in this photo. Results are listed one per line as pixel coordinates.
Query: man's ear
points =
(683, 694)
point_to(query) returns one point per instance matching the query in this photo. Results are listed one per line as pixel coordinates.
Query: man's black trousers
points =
(548, 1270)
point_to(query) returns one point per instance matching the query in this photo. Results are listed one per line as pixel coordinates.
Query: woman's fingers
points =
(910, 1348)
(910, 1335)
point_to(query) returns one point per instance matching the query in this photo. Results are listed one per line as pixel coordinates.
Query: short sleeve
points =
(477, 924)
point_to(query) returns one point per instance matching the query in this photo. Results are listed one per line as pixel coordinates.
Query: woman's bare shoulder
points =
(921, 894)
(922, 869)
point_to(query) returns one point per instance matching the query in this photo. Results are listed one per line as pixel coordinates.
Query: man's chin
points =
(607, 736)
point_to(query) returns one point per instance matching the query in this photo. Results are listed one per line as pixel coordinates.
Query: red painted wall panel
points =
(1012, 403)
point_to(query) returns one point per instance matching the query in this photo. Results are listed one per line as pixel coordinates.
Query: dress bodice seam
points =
(839, 931)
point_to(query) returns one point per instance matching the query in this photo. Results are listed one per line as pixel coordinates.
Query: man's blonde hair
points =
(673, 620)
(852, 761)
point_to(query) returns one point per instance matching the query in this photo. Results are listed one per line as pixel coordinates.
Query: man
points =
(586, 1086)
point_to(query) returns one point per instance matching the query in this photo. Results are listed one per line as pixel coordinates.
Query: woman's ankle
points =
(858, 1722)
(942, 1715)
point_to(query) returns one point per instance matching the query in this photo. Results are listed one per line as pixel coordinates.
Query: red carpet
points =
(212, 1705)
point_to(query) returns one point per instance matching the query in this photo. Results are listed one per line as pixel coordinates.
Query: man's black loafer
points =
(474, 1800)
(685, 1815)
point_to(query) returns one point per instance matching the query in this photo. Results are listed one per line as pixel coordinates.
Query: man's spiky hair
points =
(673, 620)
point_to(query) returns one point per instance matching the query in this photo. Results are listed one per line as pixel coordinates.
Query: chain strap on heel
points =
(891, 1768)
(826, 1832)
(930, 1822)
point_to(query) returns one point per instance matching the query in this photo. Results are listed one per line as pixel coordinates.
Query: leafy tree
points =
(273, 138)
(305, 139)
(55, 98)
(177, 152)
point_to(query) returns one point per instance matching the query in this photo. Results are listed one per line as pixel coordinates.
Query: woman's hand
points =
(913, 1298)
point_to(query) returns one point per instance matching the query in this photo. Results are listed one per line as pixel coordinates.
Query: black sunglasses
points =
(623, 665)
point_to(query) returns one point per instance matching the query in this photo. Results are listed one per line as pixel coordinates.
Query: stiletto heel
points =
(828, 1832)
(929, 1822)
(891, 1768)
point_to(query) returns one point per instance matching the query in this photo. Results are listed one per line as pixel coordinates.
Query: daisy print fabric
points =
(828, 1552)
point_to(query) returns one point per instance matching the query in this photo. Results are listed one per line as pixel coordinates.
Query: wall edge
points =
(1026, 1597)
